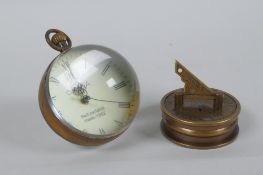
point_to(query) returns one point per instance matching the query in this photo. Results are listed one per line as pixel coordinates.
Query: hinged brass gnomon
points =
(195, 90)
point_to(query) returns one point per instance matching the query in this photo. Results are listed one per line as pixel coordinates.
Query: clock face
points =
(93, 90)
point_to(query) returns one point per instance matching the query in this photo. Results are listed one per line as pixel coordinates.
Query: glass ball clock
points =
(89, 94)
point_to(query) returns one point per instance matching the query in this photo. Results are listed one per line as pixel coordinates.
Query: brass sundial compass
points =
(197, 116)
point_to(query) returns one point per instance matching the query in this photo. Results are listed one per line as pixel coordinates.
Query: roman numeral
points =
(120, 85)
(66, 66)
(53, 80)
(102, 132)
(124, 105)
(106, 68)
(118, 122)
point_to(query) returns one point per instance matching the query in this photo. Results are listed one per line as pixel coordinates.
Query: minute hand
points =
(107, 100)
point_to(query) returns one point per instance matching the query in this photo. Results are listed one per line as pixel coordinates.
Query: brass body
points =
(197, 116)
(61, 42)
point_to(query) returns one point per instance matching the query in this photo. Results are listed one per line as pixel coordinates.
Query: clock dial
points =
(94, 90)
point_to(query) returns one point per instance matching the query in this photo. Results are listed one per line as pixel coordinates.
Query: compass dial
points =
(202, 112)
(93, 90)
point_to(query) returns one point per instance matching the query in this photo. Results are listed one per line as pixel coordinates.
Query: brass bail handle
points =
(59, 40)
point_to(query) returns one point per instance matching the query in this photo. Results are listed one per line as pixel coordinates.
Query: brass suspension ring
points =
(59, 40)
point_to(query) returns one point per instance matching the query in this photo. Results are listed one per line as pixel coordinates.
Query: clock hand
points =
(111, 101)
(80, 90)
(85, 99)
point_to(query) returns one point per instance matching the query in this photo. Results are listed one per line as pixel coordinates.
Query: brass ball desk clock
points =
(89, 94)
(197, 116)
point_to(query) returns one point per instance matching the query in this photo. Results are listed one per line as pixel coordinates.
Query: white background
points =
(220, 41)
